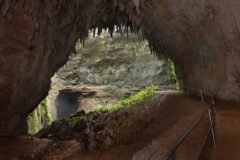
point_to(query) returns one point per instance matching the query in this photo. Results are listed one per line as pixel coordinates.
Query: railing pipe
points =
(180, 141)
(171, 155)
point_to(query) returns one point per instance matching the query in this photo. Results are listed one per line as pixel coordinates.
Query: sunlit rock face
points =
(36, 38)
(121, 61)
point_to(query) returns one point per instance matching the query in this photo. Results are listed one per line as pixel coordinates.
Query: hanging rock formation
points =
(36, 38)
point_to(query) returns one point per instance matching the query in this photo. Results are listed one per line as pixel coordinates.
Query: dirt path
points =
(175, 115)
(228, 133)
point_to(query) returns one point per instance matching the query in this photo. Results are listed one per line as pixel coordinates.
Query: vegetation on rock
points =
(174, 75)
(109, 126)
(134, 99)
(39, 118)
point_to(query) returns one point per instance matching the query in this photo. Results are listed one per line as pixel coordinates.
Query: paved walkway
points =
(175, 116)
(228, 133)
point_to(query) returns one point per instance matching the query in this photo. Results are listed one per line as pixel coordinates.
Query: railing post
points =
(201, 95)
(213, 106)
(173, 156)
(212, 127)
(212, 116)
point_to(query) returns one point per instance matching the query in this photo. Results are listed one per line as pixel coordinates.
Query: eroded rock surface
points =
(202, 38)
(101, 129)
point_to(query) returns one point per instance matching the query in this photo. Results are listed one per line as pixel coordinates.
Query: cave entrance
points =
(67, 103)
(113, 68)
(106, 70)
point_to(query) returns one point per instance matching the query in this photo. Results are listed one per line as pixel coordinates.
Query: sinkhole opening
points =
(106, 73)
(67, 103)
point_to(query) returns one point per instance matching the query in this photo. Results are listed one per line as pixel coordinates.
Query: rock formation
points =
(102, 129)
(202, 38)
(119, 61)
(36, 38)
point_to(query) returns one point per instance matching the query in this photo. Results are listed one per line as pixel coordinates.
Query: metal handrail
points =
(171, 155)
(181, 140)
(201, 92)
(210, 130)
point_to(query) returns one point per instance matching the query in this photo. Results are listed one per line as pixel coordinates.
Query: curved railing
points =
(202, 93)
(205, 95)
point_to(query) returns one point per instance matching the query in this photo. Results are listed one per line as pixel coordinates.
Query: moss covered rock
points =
(39, 118)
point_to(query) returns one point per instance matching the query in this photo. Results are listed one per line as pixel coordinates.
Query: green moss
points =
(33, 122)
(137, 98)
(134, 110)
(47, 115)
(72, 121)
(173, 73)
(39, 118)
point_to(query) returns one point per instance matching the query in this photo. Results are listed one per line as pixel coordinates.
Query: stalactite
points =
(94, 32)
(121, 13)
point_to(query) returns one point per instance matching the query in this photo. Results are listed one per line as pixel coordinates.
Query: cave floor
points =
(176, 114)
(228, 133)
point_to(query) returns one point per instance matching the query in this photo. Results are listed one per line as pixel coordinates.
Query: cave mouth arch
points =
(110, 67)
(47, 32)
(38, 36)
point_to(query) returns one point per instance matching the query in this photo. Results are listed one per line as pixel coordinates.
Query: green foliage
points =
(33, 122)
(39, 118)
(137, 98)
(173, 73)
(46, 112)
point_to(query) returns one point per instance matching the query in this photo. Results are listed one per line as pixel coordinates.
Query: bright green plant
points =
(173, 73)
(39, 118)
(46, 111)
(137, 98)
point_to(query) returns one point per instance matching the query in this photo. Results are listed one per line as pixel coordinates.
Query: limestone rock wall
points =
(202, 38)
(119, 61)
